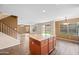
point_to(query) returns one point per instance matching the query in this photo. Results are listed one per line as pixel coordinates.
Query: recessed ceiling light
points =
(43, 11)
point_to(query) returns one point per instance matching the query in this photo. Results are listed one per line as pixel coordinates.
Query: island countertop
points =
(40, 37)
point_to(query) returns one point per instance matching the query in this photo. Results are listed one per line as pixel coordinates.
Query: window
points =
(63, 29)
(70, 29)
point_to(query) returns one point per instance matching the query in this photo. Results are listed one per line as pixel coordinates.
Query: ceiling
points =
(33, 13)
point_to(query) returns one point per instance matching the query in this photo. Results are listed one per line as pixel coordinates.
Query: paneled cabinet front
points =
(44, 47)
(35, 48)
(51, 44)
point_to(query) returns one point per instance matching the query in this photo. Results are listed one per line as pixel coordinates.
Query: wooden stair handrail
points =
(8, 30)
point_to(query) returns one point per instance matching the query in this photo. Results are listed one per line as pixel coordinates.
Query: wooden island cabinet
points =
(51, 44)
(41, 45)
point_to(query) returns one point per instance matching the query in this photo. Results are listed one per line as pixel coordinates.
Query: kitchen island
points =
(41, 44)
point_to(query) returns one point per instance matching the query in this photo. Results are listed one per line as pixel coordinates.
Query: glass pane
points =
(78, 29)
(72, 29)
(63, 29)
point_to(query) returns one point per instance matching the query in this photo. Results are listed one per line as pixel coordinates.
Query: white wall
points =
(24, 40)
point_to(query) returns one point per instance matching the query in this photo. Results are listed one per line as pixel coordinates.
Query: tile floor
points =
(66, 48)
(63, 48)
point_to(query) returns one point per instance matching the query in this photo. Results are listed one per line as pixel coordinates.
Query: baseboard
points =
(74, 41)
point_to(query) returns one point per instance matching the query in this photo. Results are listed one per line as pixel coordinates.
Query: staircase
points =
(4, 28)
(8, 37)
(7, 41)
